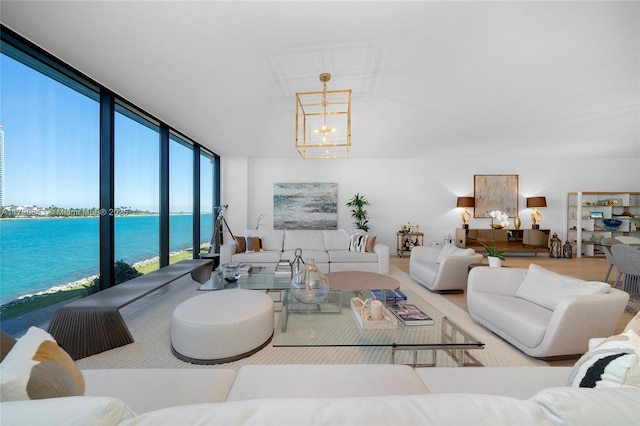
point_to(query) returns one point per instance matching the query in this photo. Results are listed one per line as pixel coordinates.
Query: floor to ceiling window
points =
(53, 183)
(208, 166)
(180, 199)
(137, 185)
(50, 175)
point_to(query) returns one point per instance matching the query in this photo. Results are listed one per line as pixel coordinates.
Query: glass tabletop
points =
(259, 278)
(333, 323)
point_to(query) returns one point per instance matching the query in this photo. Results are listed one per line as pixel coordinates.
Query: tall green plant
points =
(357, 204)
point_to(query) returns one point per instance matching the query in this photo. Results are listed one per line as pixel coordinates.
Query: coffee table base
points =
(450, 333)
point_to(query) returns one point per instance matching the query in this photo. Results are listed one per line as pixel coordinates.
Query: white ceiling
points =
(429, 79)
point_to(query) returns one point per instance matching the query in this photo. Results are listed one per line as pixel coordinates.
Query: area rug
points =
(150, 327)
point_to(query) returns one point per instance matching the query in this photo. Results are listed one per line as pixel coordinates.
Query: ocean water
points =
(37, 254)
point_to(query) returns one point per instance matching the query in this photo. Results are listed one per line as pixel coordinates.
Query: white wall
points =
(421, 191)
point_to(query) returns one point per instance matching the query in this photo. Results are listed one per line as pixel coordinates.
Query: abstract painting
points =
(495, 192)
(305, 206)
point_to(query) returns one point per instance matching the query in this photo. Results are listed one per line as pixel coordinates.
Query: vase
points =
(313, 286)
(494, 262)
(517, 222)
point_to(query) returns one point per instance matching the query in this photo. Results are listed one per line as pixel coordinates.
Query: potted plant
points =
(495, 257)
(357, 204)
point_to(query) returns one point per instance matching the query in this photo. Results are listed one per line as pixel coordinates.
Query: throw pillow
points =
(37, 368)
(253, 244)
(241, 244)
(615, 362)
(358, 242)
(547, 288)
(371, 243)
(6, 344)
(447, 250)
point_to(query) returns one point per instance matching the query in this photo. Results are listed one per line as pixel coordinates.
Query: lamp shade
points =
(534, 202)
(466, 202)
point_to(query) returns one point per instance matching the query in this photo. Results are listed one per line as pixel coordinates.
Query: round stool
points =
(221, 326)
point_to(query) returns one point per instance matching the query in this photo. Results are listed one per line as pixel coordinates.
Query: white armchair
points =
(542, 313)
(442, 268)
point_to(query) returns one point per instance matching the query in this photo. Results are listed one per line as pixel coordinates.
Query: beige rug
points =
(150, 326)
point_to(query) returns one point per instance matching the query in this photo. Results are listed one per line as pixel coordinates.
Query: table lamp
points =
(466, 216)
(536, 216)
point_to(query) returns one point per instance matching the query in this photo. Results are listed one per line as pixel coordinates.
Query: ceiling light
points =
(323, 122)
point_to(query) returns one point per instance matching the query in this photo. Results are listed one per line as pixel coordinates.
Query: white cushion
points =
(68, 411)
(290, 381)
(547, 288)
(452, 250)
(148, 389)
(304, 239)
(451, 409)
(336, 240)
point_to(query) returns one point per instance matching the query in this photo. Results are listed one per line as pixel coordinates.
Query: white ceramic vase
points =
(494, 262)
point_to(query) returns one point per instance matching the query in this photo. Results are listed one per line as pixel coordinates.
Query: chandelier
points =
(323, 122)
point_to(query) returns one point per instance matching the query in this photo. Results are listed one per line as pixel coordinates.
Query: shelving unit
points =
(585, 226)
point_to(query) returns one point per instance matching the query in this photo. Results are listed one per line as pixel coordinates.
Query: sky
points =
(51, 152)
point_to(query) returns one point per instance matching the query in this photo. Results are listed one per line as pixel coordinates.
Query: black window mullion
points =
(164, 195)
(107, 211)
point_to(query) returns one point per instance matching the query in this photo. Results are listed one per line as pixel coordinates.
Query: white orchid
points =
(500, 217)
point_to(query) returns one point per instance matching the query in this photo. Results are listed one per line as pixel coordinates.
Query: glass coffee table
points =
(333, 323)
(259, 278)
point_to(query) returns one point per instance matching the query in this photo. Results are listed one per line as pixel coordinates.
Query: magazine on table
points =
(410, 314)
(387, 294)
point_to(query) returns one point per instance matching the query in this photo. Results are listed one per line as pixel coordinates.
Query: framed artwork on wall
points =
(305, 205)
(495, 192)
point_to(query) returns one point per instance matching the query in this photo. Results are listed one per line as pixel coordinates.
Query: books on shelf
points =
(410, 314)
(387, 294)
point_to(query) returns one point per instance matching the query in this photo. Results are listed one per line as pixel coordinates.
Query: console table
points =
(521, 240)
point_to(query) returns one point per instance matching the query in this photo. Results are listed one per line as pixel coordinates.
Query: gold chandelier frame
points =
(323, 122)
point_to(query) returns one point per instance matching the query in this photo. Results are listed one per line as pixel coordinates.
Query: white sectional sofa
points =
(38, 387)
(330, 250)
(332, 395)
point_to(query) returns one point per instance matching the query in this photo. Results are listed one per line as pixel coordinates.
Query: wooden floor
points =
(587, 268)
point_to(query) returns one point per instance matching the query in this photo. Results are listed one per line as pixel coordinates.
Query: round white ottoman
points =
(221, 326)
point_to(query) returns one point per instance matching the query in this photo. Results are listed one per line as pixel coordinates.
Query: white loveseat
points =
(543, 313)
(330, 250)
(442, 268)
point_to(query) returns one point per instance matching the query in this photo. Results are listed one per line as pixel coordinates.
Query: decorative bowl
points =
(612, 223)
(231, 272)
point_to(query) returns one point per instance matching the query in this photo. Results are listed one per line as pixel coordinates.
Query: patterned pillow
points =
(37, 368)
(358, 243)
(614, 363)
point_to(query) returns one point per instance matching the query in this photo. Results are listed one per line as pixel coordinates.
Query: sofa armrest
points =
(453, 272)
(578, 319)
(227, 250)
(382, 250)
(503, 281)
